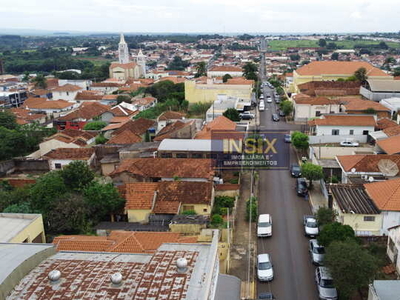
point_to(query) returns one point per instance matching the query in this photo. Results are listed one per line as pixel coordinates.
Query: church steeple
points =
(123, 51)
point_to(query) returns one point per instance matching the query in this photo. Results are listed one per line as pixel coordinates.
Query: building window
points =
(197, 155)
(369, 219)
(166, 155)
(67, 93)
(181, 155)
(317, 113)
(335, 131)
(57, 166)
(365, 132)
(351, 132)
(204, 209)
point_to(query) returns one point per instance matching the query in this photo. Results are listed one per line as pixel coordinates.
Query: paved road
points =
(288, 247)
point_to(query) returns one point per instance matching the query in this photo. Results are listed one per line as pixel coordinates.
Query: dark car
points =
(266, 296)
(295, 170)
(275, 117)
(288, 138)
(301, 187)
(281, 113)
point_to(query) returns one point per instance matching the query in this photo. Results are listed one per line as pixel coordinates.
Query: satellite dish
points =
(388, 167)
(353, 170)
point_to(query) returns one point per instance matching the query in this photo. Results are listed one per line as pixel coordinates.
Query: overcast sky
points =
(222, 16)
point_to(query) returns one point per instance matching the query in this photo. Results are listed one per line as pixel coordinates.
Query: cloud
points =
(356, 15)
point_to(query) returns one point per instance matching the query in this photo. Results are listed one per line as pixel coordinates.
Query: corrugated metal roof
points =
(384, 85)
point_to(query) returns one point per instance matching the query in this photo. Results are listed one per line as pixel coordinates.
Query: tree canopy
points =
(300, 140)
(335, 232)
(95, 125)
(312, 172)
(361, 74)
(232, 114)
(325, 215)
(287, 107)
(250, 71)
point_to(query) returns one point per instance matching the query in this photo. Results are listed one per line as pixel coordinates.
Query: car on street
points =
(295, 170)
(261, 96)
(349, 143)
(265, 271)
(310, 226)
(246, 115)
(317, 252)
(264, 225)
(266, 296)
(281, 113)
(325, 286)
(261, 106)
(301, 187)
(269, 99)
(288, 138)
(275, 117)
(277, 101)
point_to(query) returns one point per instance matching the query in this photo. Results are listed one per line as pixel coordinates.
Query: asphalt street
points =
(288, 247)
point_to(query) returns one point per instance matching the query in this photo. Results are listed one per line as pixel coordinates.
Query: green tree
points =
(232, 114)
(361, 74)
(335, 232)
(370, 111)
(102, 200)
(312, 172)
(350, 266)
(201, 69)
(22, 208)
(123, 98)
(335, 56)
(396, 71)
(40, 81)
(95, 125)
(47, 188)
(331, 46)
(13, 143)
(252, 208)
(300, 140)
(294, 57)
(383, 45)
(226, 77)
(325, 215)
(177, 64)
(322, 43)
(8, 120)
(287, 107)
(100, 139)
(216, 220)
(77, 175)
(250, 71)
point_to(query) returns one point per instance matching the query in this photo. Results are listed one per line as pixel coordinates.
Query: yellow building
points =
(356, 209)
(332, 71)
(124, 71)
(21, 228)
(167, 198)
(208, 90)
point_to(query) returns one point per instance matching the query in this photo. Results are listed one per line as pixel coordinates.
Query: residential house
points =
(339, 127)
(140, 127)
(384, 290)
(220, 71)
(124, 138)
(393, 246)
(175, 271)
(61, 157)
(106, 87)
(359, 106)
(165, 169)
(66, 92)
(364, 166)
(52, 108)
(181, 148)
(377, 90)
(386, 196)
(306, 107)
(142, 104)
(330, 88)
(177, 130)
(219, 124)
(88, 96)
(86, 112)
(68, 138)
(21, 228)
(25, 116)
(355, 208)
(334, 70)
(41, 93)
(166, 198)
(393, 104)
(207, 91)
(168, 117)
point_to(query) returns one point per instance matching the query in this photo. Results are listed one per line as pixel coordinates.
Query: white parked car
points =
(264, 225)
(325, 284)
(265, 271)
(269, 99)
(261, 96)
(349, 143)
(261, 106)
(310, 226)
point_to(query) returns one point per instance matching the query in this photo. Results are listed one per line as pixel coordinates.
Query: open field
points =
(281, 45)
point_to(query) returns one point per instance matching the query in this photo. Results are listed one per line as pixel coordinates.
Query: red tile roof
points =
(138, 126)
(170, 129)
(365, 162)
(385, 123)
(129, 65)
(392, 131)
(300, 99)
(225, 69)
(68, 88)
(125, 137)
(86, 111)
(344, 120)
(171, 115)
(219, 123)
(166, 168)
(70, 153)
(43, 103)
(330, 88)
(88, 95)
(390, 145)
(357, 104)
(385, 194)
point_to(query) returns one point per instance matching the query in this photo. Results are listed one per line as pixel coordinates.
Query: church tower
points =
(123, 52)
(141, 61)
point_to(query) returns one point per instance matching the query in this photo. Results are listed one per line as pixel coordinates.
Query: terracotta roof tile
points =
(357, 104)
(385, 123)
(385, 194)
(70, 153)
(390, 145)
(68, 88)
(138, 126)
(344, 120)
(125, 137)
(139, 195)
(42, 103)
(346, 68)
(225, 69)
(330, 88)
(365, 162)
(88, 95)
(219, 123)
(392, 131)
(86, 111)
(129, 65)
(171, 115)
(300, 99)
(170, 129)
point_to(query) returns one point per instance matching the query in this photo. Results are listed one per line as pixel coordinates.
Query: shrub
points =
(216, 220)
(96, 125)
(225, 201)
(253, 209)
(189, 212)
(100, 139)
(234, 181)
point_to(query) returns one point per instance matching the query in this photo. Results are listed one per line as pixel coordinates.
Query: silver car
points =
(326, 289)
(317, 252)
